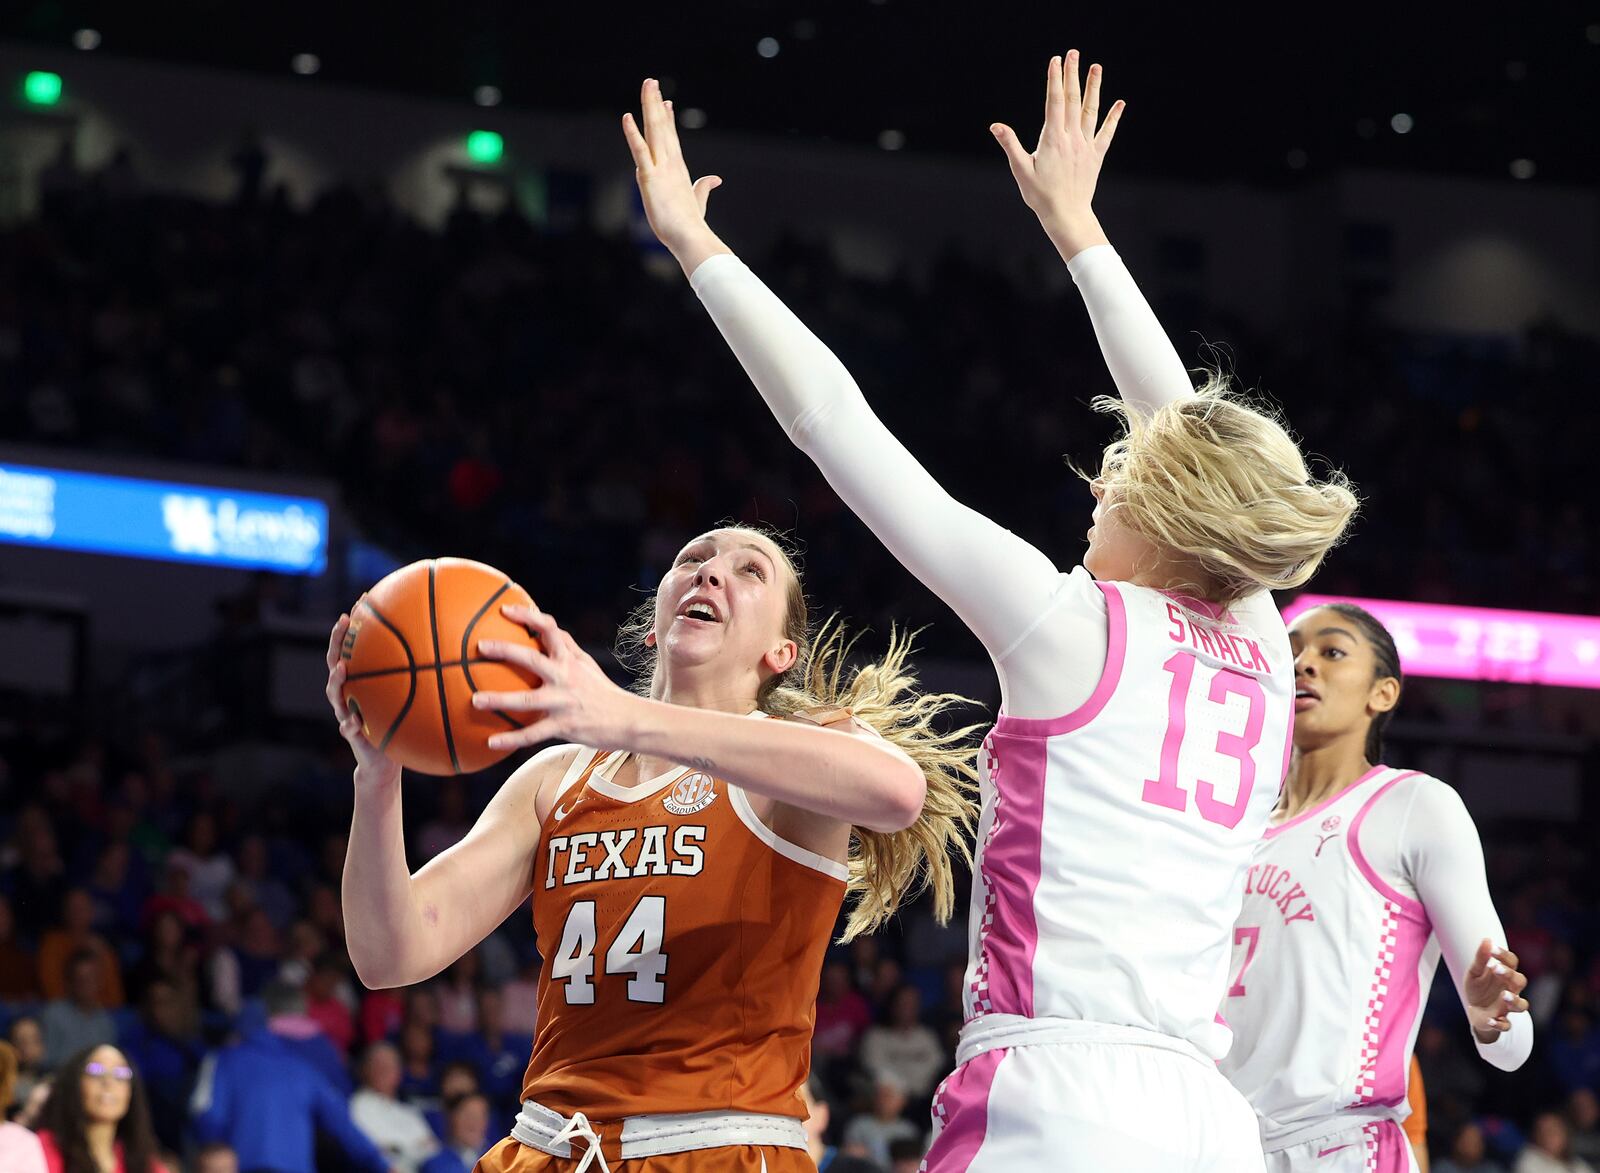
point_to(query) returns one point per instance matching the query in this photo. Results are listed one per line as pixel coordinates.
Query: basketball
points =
(413, 664)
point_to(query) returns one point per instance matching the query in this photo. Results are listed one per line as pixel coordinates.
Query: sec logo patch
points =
(691, 793)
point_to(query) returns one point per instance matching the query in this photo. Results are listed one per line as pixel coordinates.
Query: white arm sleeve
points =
(1143, 362)
(1426, 843)
(996, 582)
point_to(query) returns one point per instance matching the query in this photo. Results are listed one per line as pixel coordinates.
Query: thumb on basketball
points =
(703, 187)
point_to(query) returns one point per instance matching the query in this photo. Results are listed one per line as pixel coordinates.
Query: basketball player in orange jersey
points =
(687, 860)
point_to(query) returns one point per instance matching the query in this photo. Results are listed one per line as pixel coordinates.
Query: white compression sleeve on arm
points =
(1142, 360)
(996, 582)
(1423, 836)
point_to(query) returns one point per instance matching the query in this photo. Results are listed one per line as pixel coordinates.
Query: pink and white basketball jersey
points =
(1330, 969)
(1113, 840)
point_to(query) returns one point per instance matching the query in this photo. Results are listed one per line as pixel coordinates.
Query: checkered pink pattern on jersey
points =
(1372, 1029)
(981, 1002)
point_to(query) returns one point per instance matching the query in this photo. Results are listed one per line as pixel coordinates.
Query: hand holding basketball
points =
(1058, 178)
(674, 205)
(579, 702)
(371, 761)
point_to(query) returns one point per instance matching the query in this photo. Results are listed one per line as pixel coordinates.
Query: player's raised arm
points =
(996, 582)
(1057, 180)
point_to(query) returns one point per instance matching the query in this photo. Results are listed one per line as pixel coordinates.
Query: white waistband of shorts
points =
(654, 1136)
(1351, 1120)
(990, 1032)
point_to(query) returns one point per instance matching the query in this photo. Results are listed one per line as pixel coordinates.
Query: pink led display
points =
(1478, 643)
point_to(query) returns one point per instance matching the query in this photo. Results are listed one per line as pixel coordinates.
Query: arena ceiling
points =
(1215, 91)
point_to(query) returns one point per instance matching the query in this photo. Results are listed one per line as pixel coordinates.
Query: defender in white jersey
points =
(1146, 696)
(1366, 875)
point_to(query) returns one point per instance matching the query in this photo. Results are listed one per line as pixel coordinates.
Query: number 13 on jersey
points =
(636, 952)
(1166, 789)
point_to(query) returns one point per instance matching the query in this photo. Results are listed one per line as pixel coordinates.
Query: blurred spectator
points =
(327, 1002)
(38, 884)
(1468, 1153)
(456, 1079)
(449, 823)
(1583, 1113)
(170, 955)
(209, 869)
(1550, 1148)
(74, 938)
(26, 1037)
(118, 888)
(96, 1119)
(20, 1150)
(216, 1158)
(165, 1047)
(269, 893)
(266, 1100)
(886, 1124)
(399, 1130)
(818, 1116)
(381, 1014)
(519, 999)
(458, 996)
(466, 1136)
(905, 1155)
(905, 1050)
(306, 944)
(499, 1056)
(417, 1080)
(842, 1014)
(1575, 1050)
(174, 896)
(286, 1017)
(79, 1021)
(19, 969)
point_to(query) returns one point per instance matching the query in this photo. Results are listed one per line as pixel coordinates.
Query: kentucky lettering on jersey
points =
(1329, 969)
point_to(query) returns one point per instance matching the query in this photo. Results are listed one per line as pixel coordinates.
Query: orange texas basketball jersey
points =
(683, 943)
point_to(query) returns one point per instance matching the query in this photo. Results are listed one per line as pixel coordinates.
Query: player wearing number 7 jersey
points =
(1146, 695)
(686, 861)
(1365, 876)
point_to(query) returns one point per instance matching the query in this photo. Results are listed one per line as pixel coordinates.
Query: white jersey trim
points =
(791, 851)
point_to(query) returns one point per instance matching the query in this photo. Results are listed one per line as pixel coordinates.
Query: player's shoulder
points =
(542, 775)
(1419, 794)
(840, 718)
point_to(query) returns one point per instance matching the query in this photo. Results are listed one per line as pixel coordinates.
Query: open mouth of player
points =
(1306, 697)
(700, 611)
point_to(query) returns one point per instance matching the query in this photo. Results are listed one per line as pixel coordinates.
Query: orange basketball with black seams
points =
(412, 664)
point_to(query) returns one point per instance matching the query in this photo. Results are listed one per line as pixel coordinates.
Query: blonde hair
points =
(1220, 485)
(886, 868)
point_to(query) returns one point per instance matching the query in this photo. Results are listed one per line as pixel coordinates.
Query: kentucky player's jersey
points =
(683, 943)
(1330, 968)
(1114, 839)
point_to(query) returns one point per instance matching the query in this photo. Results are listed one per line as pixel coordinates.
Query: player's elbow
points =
(900, 799)
(379, 968)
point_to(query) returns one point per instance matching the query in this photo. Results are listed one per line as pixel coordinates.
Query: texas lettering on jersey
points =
(624, 854)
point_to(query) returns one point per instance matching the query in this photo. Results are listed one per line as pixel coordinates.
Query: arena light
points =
(1402, 123)
(1482, 643)
(487, 95)
(167, 520)
(1522, 169)
(485, 146)
(768, 47)
(42, 88)
(87, 40)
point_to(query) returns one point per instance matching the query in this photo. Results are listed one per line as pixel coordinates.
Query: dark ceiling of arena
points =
(1215, 91)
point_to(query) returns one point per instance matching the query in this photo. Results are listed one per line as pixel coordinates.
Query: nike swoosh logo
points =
(1335, 1149)
(561, 813)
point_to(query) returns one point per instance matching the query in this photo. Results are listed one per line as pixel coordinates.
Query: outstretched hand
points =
(1058, 177)
(674, 204)
(1492, 991)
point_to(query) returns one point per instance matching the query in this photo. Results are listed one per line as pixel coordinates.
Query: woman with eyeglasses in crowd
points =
(97, 1119)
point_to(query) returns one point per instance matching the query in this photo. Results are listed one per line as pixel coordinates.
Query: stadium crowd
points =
(544, 400)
